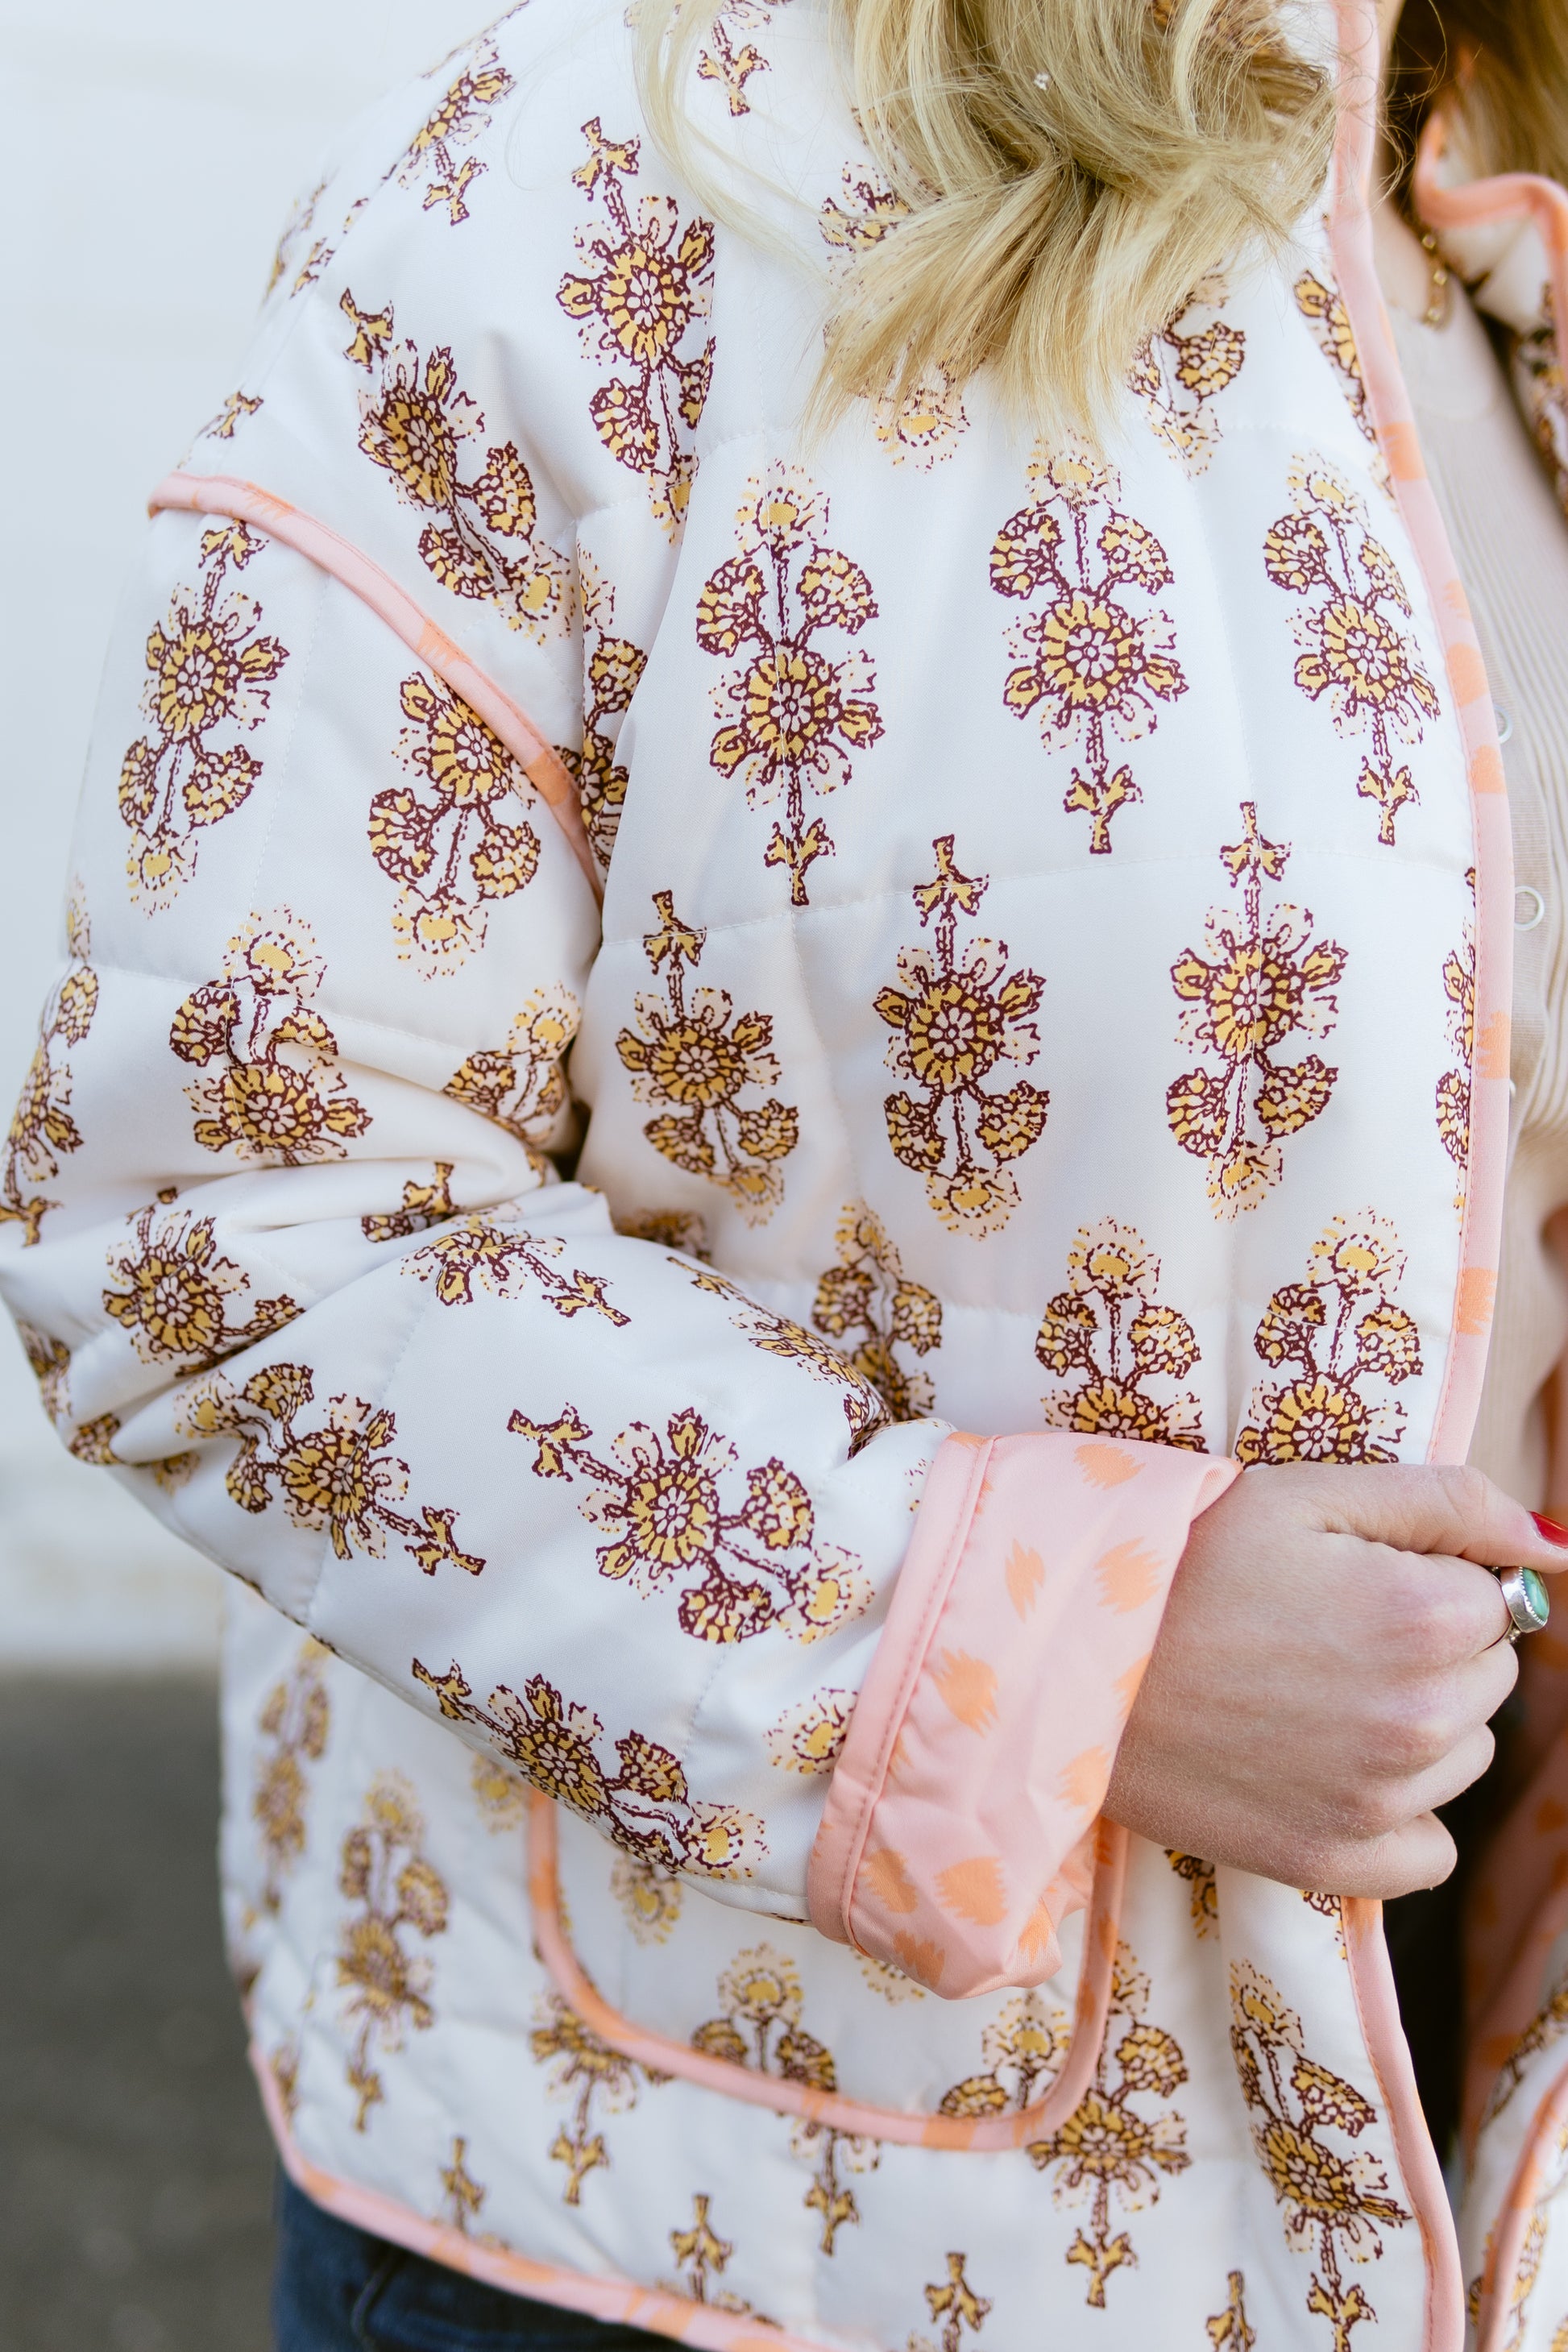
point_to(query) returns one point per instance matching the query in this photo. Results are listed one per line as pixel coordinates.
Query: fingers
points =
(1422, 1853)
(1433, 1509)
(1432, 1612)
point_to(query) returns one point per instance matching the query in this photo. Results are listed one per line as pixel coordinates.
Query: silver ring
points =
(1528, 1605)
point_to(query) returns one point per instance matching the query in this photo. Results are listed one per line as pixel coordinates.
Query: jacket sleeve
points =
(283, 1214)
(302, 1271)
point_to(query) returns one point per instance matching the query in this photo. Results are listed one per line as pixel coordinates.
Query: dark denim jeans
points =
(338, 2289)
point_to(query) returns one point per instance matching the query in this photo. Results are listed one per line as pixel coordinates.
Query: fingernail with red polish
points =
(1551, 1529)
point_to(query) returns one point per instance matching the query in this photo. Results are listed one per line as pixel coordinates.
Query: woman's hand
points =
(1324, 1674)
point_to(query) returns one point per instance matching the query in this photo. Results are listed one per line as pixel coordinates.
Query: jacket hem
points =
(609, 2299)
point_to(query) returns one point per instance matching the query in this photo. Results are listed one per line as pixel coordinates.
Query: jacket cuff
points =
(958, 1829)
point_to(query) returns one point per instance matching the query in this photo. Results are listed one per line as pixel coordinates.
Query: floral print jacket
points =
(707, 1083)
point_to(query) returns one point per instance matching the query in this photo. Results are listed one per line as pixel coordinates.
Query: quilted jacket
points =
(709, 1078)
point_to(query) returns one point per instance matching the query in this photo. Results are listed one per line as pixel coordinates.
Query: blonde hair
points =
(1066, 173)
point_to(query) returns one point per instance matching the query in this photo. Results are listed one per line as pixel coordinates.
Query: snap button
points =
(1504, 722)
(1529, 907)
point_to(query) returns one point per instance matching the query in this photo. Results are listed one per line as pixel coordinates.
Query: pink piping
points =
(1510, 196)
(978, 2133)
(611, 2299)
(1481, 1238)
(1507, 2249)
(242, 501)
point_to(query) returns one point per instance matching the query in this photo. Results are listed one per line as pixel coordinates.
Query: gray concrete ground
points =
(136, 2175)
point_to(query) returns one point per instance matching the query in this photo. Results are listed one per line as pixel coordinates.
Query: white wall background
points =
(152, 149)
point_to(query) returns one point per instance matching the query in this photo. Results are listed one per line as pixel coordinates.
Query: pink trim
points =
(1506, 2251)
(1480, 1242)
(1377, 2006)
(701, 2324)
(242, 501)
(1511, 195)
(959, 1828)
(981, 2133)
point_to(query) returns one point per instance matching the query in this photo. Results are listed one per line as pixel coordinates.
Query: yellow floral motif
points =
(463, 113)
(921, 425)
(1454, 1085)
(395, 1891)
(283, 2065)
(521, 1084)
(209, 671)
(460, 116)
(501, 1794)
(481, 540)
(808, 1737)
(496, 1251)
(1542, 391)
(954, 1018)
(340, 1479)
(48, 1360)
(444, 838)
(274, 1092)
(295, 1721)
(866, 1305)
(1324, 307)
(177, 1292)
(954, 2305)
(1179, 373)
(297, 227)
(791, 714)
(1255, 982)
(42, 1131)
(1548, 2026)
(1341, 1329)
(1021, 2051)
(1091, 668)
(702, 2255)
(776, 1335)
(1229, 2330)
(759, 2027)
(1108, 1334)
(1334, 2205)
(662, 1503)
(641, 298)
(645, 1807)
(423, 1205)
(1108, 2148)
(1355, 654)
(1201, 1888)
(1525, 2275)
(464, 2198)
(731, 63)
(890, 1983)
(698, 1056)
(612, 667)
(649, 1896)
(585, 2071)
(672, 1229)
(237, 406)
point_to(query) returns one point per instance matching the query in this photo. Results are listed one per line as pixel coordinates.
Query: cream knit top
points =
(1513, 554)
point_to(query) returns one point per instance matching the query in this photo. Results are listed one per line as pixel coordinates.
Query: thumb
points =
(1441, 1507)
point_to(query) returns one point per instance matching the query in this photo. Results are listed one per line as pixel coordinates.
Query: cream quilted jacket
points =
(707, 1084)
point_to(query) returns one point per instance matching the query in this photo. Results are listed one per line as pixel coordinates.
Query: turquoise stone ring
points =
(1525, 1594)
